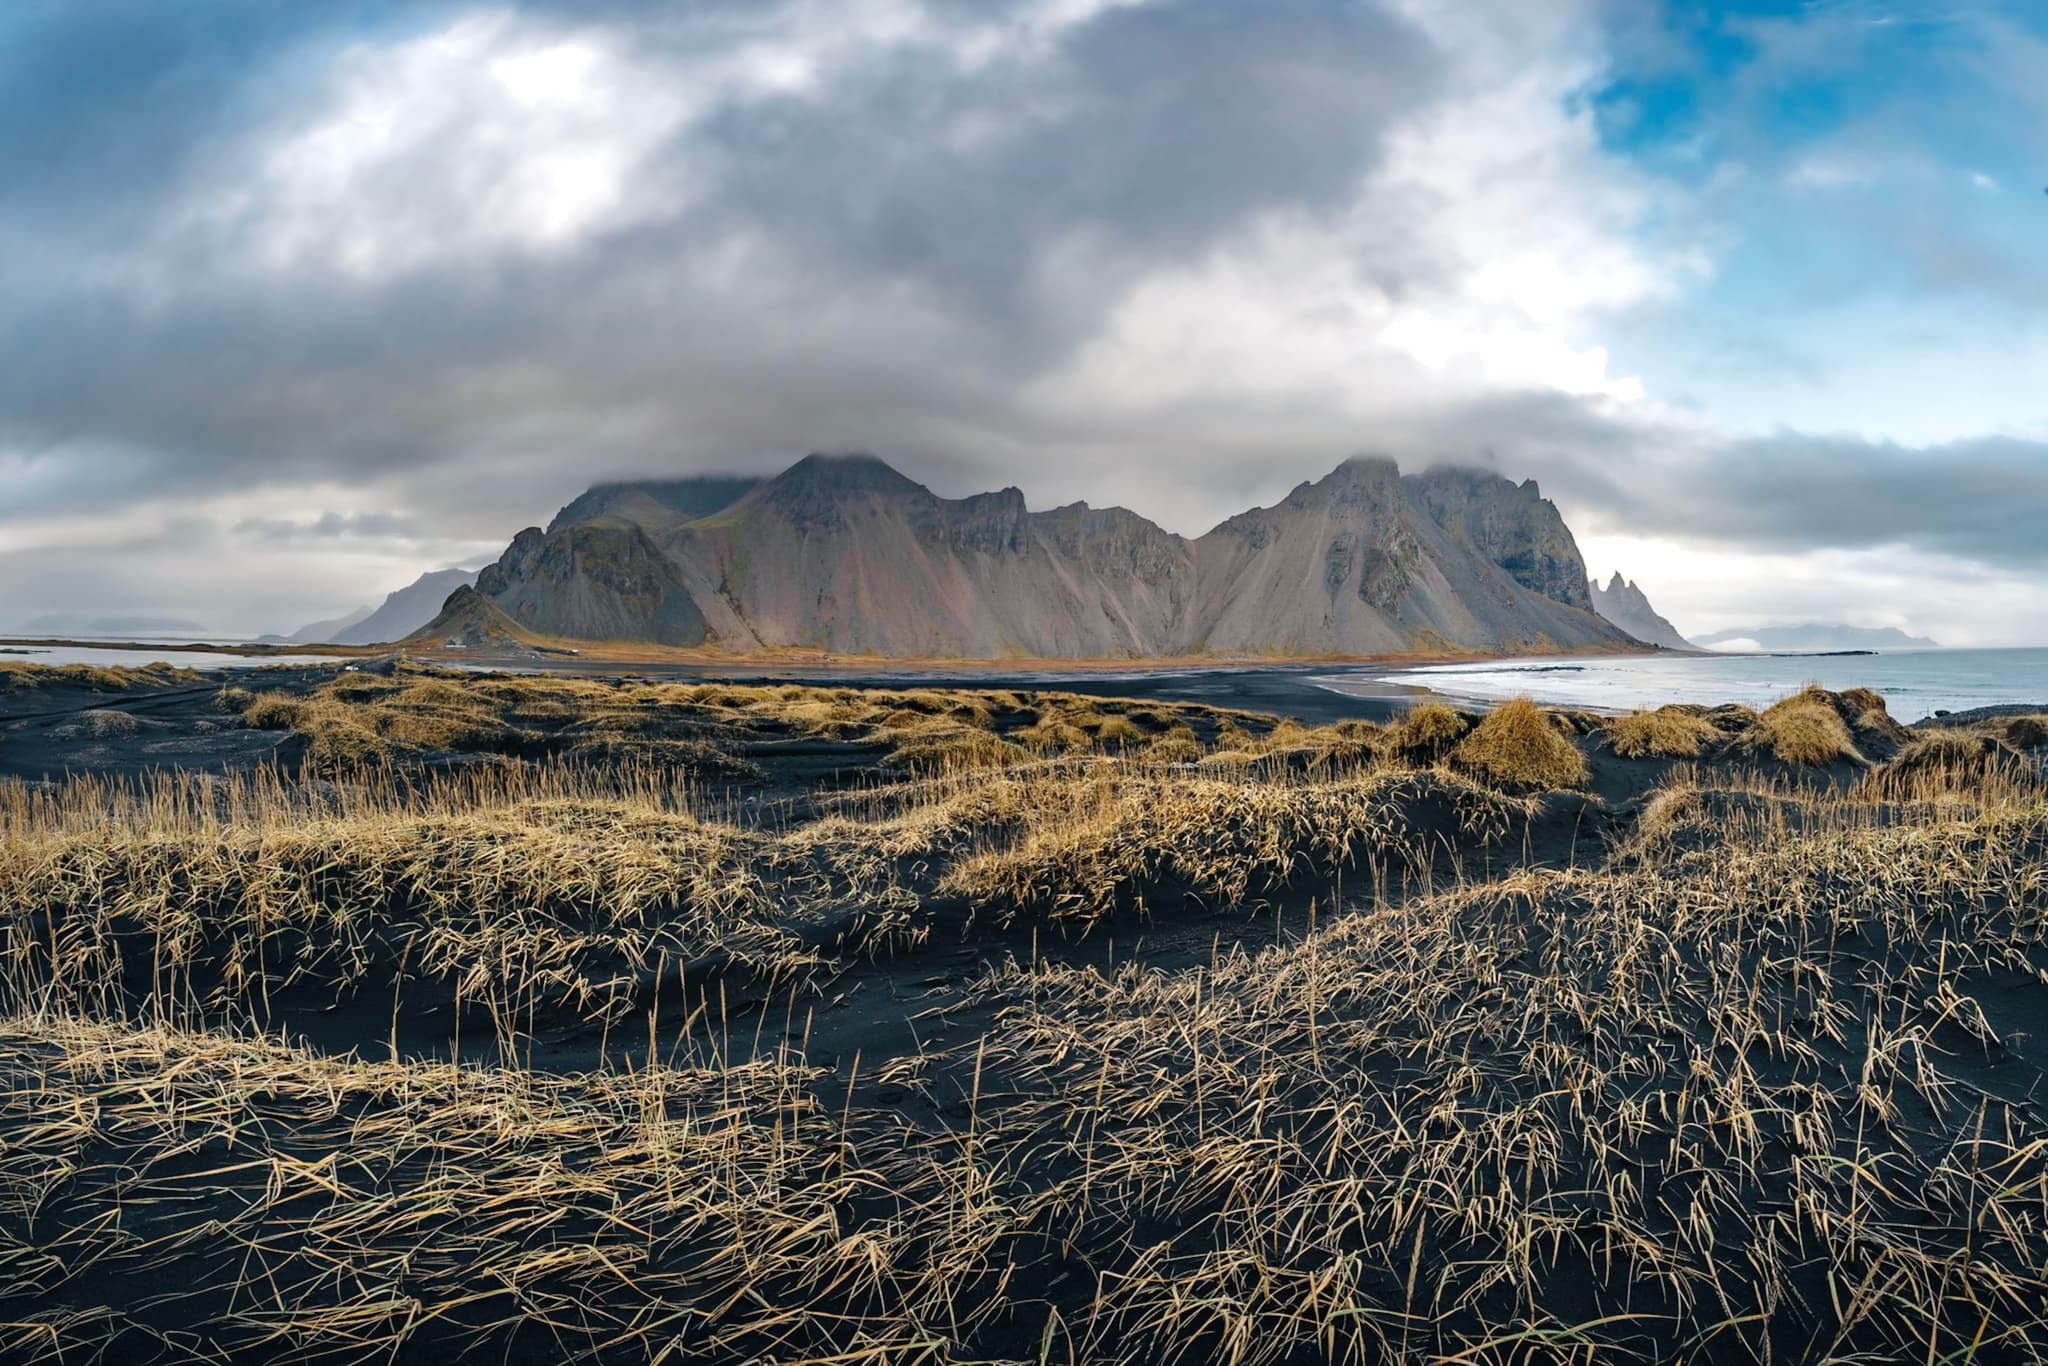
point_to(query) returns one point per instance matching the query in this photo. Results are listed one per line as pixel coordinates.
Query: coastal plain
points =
(395, 1012)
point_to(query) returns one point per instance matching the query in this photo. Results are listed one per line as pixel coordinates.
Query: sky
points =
(301, 300)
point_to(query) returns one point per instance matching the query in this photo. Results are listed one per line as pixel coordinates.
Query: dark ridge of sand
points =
(180, 729)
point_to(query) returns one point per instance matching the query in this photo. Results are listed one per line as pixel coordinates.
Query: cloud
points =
(330, 525)
(465, 259)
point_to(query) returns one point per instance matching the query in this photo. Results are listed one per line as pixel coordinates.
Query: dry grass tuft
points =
(1427, 735)
(100, 725)
(1673, 732)
(2027, 732)
(956, 748)
(1517, 747)
(1948, 764)
(272, 711)
(1805, 729)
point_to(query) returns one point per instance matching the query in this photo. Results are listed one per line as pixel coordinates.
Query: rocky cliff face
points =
(599, 580)
(1624, 604)
(845, 554)
(1367, 561)
(1511, 524)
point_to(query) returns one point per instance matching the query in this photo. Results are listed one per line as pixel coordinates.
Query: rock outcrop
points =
(597, 580)
(1624, 604)
(847, 555)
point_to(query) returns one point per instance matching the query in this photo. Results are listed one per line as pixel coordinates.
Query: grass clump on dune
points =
(960, 747)
(101, 724)
(1081, 845)
(1427, 735)
(1517, 747)
(2027, 732)
(1673, 732)
(1949, 764)
(1805, 729)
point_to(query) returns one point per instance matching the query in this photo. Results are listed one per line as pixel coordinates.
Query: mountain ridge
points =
(847, 555)
(1628, 607)
(403, 611)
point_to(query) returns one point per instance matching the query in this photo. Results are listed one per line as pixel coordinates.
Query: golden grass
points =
(1518, 747)
(2026, 732)
(1805, 729)
(1427, 734)
(97, 724)
(1083, 845)
(19, 676)
(1673, 732)
(369, 718)
(1953, 765)
(1707, 1101)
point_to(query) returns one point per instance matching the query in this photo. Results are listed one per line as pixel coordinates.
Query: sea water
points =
(1914, 683)
(145, 653)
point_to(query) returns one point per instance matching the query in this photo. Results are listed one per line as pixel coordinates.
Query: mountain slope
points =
(596, 580)
(1358, 563)
(654, 502)
(406, 610)
(326, 632)
(1624, 604)
(845, 554)
(842, 553)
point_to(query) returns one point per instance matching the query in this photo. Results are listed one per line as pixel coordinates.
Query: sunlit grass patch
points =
(1518, 747)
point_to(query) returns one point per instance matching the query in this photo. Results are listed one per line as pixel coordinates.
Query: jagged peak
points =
(689, 497)
(850, 472)
(1364, 466)
(1474, 475)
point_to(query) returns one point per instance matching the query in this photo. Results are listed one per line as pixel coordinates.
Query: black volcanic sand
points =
(47, 732)
(945, 997)
(883, 999)
(41, 736)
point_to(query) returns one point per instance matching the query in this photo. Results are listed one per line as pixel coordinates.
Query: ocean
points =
(135, 659)
(1915, 683)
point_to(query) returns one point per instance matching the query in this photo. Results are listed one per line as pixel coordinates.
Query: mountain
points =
(847, 555)
(322, 632)
(656, 501)
(1624, 604)
(400, 614)
(1366, 561)
(408, 609)
(1814, 635)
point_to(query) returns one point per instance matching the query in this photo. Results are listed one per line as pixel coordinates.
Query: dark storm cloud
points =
(860, 262)
(1983, 500)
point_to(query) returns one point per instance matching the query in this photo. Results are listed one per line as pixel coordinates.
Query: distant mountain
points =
(845, 554)
(400, 614)
(1820, 636)
(1624, 604)
(322, 632)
